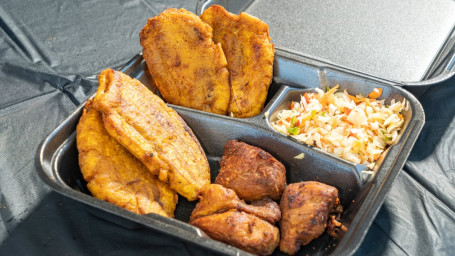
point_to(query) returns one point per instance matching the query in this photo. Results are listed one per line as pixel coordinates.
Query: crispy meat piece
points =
(305, 209)
(241, 230)
(251, 172)
(249, 52)
(189, 69)
(153, 132)
(215, 199)
(116, 176)
(264, 208)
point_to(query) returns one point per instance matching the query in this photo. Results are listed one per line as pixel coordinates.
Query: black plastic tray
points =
(361, 193)
(409, 41)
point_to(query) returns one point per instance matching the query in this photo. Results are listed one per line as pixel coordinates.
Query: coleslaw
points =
(354, 128)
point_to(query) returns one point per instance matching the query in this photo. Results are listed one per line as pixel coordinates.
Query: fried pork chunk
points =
(305, 209)
(215, 199)
(247, 45)
(251, 172)
(224, 217)
(188, 68)
(116, 176)
(153, 132)
(241, 230)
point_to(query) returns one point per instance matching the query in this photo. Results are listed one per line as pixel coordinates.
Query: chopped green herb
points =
(387, 139)
(313, 113)
(294, 130)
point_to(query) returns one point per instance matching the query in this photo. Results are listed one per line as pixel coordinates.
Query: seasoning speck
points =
(300, 156)
(151, 154)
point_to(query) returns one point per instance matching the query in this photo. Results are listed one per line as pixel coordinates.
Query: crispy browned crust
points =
(251, 172)
(215, 199)
(153, 132)
(189, 69)
(116, 176)
(241, 230)
(249, 52)
(305, 209)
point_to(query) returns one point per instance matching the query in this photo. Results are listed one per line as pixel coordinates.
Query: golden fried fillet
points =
(241, 230)
(153, 132)
(249, 52)
(116, 176)
(188, 68)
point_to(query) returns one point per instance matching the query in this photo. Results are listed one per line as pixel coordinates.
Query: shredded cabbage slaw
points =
(354, 128)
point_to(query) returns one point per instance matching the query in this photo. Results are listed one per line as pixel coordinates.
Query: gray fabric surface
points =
(50, 54)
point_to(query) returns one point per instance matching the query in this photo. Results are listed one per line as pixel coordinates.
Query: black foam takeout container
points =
(411, 42)
(361, 193)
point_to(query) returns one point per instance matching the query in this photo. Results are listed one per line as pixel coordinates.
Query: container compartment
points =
(361, 195)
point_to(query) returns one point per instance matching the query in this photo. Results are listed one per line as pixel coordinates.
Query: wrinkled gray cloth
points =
(50, 54)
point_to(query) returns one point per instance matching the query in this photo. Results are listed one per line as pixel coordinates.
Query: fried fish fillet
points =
(188, 68)
(247, 45)
(116, 176)
(153, 132)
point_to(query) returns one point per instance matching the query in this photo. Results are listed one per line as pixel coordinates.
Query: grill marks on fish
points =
(160, 121)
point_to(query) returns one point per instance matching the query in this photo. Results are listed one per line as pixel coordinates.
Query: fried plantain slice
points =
(249, 52)
(116, 176)
(188, 68)
(153, 132)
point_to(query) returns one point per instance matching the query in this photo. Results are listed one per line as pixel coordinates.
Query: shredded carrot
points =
(376, 93)
(307, 98)
(355, 99)
(324, 99)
